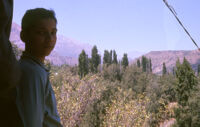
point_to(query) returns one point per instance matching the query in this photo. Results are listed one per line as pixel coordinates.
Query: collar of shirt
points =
(26, 55)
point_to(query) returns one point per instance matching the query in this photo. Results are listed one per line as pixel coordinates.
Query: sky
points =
(122, 25)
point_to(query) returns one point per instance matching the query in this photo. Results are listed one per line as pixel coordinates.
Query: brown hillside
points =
(170, 58)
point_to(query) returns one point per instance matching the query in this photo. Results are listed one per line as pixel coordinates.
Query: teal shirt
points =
(35, 99)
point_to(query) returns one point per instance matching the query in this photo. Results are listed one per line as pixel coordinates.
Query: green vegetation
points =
(125, 95)
(146, 64)
(188, 113)
(83, 64)
(198, 70)
(164, 70)
(114, 61)
(138, 63)
(125, 61)
(95, 60)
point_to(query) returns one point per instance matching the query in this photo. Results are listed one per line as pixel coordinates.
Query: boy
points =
(35, 99)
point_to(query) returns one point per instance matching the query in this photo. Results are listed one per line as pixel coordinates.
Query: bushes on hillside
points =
(91, 101)
(112, 72)
(135, 79)
(129, 96)
(188, 113)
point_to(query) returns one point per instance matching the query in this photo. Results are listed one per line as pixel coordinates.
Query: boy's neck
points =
(39, 58)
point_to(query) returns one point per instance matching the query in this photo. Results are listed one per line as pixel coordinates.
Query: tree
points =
(186, 115)
(83, 64)
(144, 64)
(198, 70)
(95, 60)
(114, 58)
(164, 70)
(150, 65)
(106, 57)
(90, 65)
(173, 71)
(110, 57)
(125, 61)
(186, 81)
(138, 63)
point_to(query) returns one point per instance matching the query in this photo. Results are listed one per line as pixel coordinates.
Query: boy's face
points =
(41, 38)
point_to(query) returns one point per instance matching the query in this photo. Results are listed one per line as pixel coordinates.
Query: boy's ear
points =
(23, 36)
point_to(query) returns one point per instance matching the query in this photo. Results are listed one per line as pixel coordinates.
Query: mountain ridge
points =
(67, 51)
(170, 57)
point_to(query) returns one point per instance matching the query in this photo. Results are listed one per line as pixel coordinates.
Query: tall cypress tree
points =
(150, 65)
(106, 57)
(198, 70)
(90, 64)
(173, 71)
(125, 61)
(95, 60)
(164, 70)
(144, 64)
(83, 64)
(114, 57)
(138, 63)
(110, 57)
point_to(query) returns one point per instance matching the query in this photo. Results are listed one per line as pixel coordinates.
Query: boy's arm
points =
(10, 72)
(30, 97)
(51, 118)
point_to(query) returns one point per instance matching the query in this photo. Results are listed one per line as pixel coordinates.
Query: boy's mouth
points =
(48, 46)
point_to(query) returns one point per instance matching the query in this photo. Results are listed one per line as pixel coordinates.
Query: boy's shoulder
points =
(31, 67)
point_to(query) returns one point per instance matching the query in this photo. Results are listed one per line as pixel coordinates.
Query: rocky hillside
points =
(170, 58)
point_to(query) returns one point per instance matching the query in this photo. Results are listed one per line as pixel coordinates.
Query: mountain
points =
(170, 58)
(66, 50)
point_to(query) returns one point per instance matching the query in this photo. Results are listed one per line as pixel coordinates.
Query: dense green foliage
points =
(95, 60)
(146, 64)
(164, 70)
(138, 63)
(112, 72)
(127, 97)
(106, 57)
(112, 97)
(95, 101)
(150, 65)
(83, 68)
(188, 113)
(186, 82)
(114, 61)
(125, 62)
(130, 96)
(198, 69)
(110, 57)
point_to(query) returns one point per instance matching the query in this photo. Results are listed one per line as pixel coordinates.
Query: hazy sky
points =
(123, 25)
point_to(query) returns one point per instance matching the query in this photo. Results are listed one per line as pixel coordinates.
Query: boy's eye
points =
(46, 33)
(53, 33)
(41, 32)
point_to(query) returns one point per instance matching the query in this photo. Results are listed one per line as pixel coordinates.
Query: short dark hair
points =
(33, 15)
